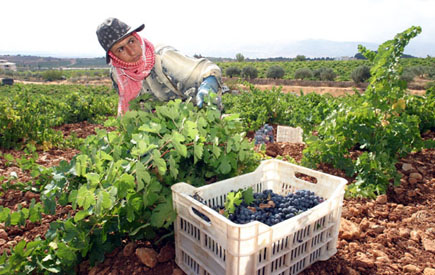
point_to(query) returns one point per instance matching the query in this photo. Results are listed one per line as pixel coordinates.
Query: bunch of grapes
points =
(264, 135)
(271, 208)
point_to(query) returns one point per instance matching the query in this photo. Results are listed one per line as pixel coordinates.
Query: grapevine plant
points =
(28, 112)
(119, 185)
(375, 125)
(257, 107)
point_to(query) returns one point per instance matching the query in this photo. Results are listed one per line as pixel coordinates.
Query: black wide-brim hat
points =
(113, 30)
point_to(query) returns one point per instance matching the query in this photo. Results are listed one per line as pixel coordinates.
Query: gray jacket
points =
(175, 75)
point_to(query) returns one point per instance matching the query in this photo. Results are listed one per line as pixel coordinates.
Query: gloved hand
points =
(202, 93)
(209, 84)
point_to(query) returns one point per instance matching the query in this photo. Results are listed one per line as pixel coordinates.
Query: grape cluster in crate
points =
(266, 207)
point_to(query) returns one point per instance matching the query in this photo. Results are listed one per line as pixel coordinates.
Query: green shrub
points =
(250, 72)
(317, 72)
(52, 75)
(303, 73)
(416, 70)
(408, 75)
(275, 72)
(360, 74)
(324, 73)
(232, 71)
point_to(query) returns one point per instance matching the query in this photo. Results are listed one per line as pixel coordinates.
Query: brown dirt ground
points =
(335, 88)
(334, 91)
(394, 234)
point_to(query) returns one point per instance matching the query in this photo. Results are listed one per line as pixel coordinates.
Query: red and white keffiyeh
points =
(131, 75)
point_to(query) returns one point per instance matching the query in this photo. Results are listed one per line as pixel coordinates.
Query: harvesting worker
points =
(138, 67)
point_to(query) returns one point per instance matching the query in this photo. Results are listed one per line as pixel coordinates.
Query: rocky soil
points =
(393, 234)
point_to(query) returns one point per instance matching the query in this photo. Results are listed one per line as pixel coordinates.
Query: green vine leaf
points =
(163, 215)
(198, 149)
(173, 167)
(232, 201)
(159, 162)
(85, 197)
(177, 138)
(142, 176)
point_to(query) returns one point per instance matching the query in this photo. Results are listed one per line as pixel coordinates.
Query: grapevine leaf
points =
(72, 198)
(103, 202)
(159, 162)
(93, 179)
(35, 211)
(229, 145)
(25, 212)
(202, 123)
(130, 214)
(232, 201)
(81, 215)
(198, 148)
(152, 193)
(85, 197)
(104, 156)
(66, 254)
(72, 232)
(168, 112)
(81, 165)
(151, 127)
(135, 202)
(216, 151)
(142, 176)
(225, 166)
(126, 184)
(142, 148)
(163, 215)
(19, 248)
(180, 148)
(49, 205)
(248, 195)
(177, 138)
(173, 167)
(16, 217)
(106, 201)
(191, 130)
(4, 213)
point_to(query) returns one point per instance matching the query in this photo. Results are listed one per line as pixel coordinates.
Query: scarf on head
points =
(131, 75)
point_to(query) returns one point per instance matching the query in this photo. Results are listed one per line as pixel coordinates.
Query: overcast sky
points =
(67, 28)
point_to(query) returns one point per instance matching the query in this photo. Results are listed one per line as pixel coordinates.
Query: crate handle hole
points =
(306, 177)
(202, 217)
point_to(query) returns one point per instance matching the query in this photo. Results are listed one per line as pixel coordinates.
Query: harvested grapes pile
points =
(266, 207)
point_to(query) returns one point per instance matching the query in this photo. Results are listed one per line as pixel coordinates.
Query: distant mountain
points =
(32, 61)
(313, 48)
(310, 48)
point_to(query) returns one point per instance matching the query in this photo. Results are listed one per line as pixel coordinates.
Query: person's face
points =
(128, 49)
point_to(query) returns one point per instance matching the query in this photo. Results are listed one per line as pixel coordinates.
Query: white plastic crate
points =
(289, 134)
(219, 246)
